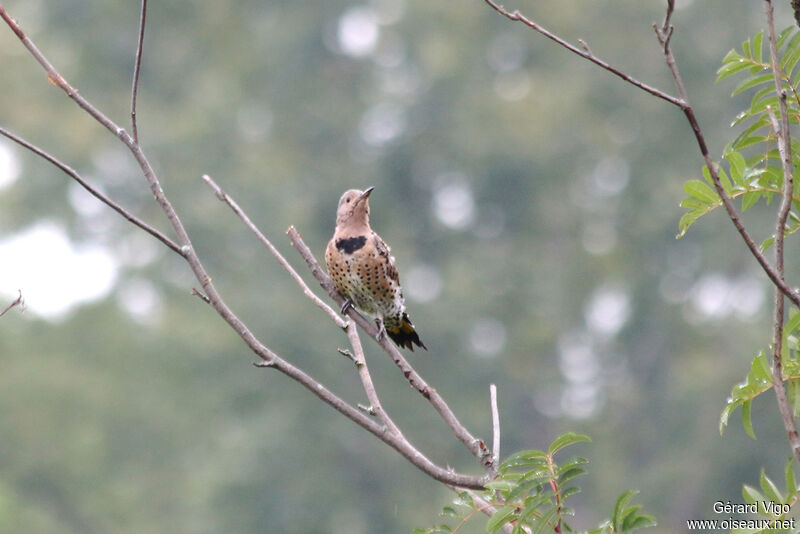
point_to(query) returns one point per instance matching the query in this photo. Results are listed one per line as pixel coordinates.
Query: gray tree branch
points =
(664, 33)
(17, 302)
(212, 296)
(95, 192)
(476, 446)
(137, 64)
(783, 136)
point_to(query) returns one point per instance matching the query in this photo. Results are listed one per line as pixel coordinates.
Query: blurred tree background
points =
(531, 200)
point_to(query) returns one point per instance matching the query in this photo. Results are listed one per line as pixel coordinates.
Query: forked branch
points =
(476, 446)
(17, 302)
(664, 33)
(210, 294)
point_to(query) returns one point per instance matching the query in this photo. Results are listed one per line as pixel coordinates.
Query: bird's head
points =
(353, 207)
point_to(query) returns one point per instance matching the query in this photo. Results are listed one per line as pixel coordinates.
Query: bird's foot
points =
(381, 329)
(346, 306)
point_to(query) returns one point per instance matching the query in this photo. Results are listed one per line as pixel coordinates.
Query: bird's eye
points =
(347, 200)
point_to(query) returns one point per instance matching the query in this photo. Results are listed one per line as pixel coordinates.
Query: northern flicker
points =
(364, 272)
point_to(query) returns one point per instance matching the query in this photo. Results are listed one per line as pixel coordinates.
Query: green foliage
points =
(759, 174)
(770, 502)
(531, 492)
(759, 379)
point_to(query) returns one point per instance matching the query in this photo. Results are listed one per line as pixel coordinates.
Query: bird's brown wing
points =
(385, 253)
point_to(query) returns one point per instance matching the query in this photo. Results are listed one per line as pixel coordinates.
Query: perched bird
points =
(364, 272)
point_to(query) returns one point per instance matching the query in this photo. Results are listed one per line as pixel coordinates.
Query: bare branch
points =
(664, 34)
(584, 53)
(17, 302)
(270, 358)
(783, 137)
(136, 67)
(376, 408)
(199, 295)
(72, 173)
(666, 25)
(495, 427)
(476, 446)
(382, 432)
(224, 197)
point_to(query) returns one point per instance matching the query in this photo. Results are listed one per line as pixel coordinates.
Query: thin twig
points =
(136, 66)
(17, 302)
(585, 53)
(495, 427)
(269, 357)
(72, 173)
(476, 446)
(224, 197)
(376, 407)
(664, 33)
(200, 295)
(783, 137)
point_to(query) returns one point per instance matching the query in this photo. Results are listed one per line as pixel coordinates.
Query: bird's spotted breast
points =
(351, 244)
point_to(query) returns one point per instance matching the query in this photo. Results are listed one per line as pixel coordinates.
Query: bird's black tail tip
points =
(405, 336)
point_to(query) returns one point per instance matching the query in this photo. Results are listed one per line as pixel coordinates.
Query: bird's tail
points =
(403, 333)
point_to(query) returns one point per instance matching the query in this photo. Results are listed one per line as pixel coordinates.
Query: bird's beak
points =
(365, 194)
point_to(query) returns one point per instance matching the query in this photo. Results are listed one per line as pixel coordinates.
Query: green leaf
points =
(523, 458)
(791, 484)
(687, 219)
(760, 369)
(757, 39)
(744, 142)
(532, 505)
(793, 393)
(568, 492)
(768, 242)
(751, 82)
(604, 528)
(502, 516)
(791, 61)
(792, 45)
(448, 511)
(761, 105)
(639, 521)
(701, 191)
(769, 488)
(543, 523)
(792, 324)
(747, 422)
(737, 64)
(619, 507)
(785, 33)
(565, 440)
(749, 199)
(534, 482)
(501, 485)
(738, 166)
(572, 461)
(569, 474)
(751, 495)
(726, 413)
